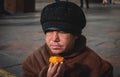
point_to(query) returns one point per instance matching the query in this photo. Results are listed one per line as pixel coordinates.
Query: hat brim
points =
(59, 26)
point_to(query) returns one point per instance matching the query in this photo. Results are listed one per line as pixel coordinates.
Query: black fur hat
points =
(63, 16)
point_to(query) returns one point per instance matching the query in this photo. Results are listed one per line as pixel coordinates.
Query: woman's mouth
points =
(55, 46)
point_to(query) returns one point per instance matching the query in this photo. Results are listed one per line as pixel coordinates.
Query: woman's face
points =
(59, 41)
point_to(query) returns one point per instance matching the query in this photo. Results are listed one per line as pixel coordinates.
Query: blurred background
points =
(21, 32)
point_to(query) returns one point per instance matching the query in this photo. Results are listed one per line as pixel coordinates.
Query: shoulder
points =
(97, 65)
(37, 59)
(94, 60)
(35, 53)
(35, 62)
(38, 54)
(106, 66)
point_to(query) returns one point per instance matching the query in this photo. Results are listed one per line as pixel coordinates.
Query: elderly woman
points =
(62, 23)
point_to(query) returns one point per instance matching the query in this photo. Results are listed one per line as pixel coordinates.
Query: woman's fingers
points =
(54, 69)
(58, 69)
(50, 67)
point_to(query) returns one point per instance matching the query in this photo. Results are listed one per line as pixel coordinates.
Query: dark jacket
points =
(83, 62)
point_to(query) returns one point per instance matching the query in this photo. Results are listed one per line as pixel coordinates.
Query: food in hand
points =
(55, 59)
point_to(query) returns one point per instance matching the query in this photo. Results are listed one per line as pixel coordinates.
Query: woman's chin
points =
(56, 52)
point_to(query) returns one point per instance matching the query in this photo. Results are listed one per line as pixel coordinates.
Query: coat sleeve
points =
(28, 68)
(43, 72)
(108, 71)
(35, 63)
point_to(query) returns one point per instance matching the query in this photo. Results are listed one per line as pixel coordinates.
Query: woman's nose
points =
(55, 37)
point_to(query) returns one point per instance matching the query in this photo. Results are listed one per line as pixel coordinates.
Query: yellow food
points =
(55, 59)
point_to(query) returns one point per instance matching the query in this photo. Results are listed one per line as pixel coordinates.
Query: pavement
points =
(21, 34)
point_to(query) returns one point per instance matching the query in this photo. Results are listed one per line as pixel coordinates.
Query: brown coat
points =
(81, 63)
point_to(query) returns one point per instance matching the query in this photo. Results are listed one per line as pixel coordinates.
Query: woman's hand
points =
(55, 70)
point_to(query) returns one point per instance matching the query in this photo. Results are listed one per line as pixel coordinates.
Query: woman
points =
(62, 23)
